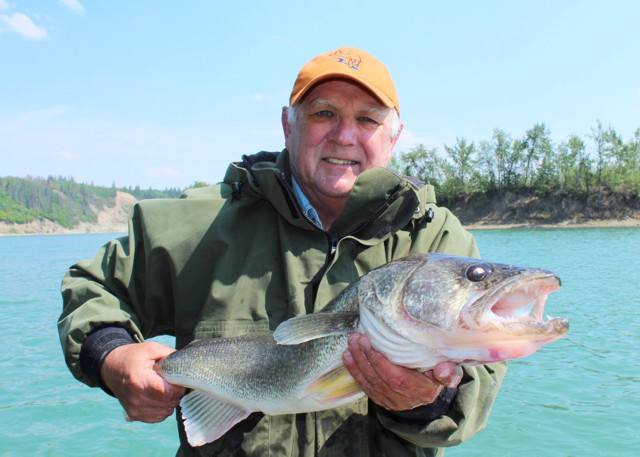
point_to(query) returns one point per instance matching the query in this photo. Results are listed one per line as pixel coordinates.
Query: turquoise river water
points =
(576, 397)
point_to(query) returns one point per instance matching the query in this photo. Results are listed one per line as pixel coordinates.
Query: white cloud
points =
(407, 141)
(259, 96)
(156, 156)
(45, 113)
(22, 25)
(276, 39)
(73, 5)
(165, 172)
(66, 155)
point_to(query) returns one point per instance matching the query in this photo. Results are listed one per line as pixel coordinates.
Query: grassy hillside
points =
(61, 200)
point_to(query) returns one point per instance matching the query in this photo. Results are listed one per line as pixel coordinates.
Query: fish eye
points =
(479, 272)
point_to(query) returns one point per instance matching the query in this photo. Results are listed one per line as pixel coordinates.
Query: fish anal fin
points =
(334, 385)
(309, 327)
(207, 418)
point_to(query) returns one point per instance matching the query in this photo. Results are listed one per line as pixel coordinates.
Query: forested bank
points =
(501, 180)
(530, 179)
(61, 200)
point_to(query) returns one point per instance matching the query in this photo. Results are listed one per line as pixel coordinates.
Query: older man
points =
(281, 236)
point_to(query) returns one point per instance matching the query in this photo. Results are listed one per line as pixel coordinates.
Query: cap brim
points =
(300, 94)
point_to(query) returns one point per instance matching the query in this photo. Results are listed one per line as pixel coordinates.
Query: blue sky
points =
(163, 94)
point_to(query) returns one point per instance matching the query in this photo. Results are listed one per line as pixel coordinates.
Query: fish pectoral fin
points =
(313, 326)
(334, 385)
(207, 418)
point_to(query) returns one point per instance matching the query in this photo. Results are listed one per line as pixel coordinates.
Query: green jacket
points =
(240, 257)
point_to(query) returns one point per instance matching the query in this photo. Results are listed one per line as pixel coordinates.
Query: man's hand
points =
(129, 372)
(391, 386)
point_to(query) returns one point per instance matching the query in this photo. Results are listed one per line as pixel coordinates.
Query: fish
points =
(417, 311)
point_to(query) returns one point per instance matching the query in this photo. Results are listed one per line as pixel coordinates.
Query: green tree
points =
(423, 163)
(461, 172)
(499, 161)
(607, 145)
(569, 154)
(537, 157)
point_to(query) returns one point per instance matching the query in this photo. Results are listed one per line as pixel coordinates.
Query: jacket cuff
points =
(427, 413)
(96, 346)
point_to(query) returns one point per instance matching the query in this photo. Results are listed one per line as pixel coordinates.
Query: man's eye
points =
(368, 120)
(324, 113)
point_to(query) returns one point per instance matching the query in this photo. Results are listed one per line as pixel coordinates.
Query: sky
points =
(164, 94)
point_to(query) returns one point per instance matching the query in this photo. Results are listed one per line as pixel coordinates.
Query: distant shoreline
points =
(605, 223)
(49, 229)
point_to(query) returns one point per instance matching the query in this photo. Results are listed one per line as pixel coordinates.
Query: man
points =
(281, 236)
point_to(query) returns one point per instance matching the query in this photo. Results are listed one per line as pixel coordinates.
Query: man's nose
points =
(345, 132)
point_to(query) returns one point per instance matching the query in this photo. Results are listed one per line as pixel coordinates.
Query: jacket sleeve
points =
(469, 409)
(109, 290)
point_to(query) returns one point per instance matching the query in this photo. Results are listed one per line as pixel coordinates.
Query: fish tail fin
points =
(206, 418)
(334, 385)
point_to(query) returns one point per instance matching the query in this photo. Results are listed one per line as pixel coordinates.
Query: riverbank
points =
(607, 223)
(113, 219)
(49, 228)
(495, 213)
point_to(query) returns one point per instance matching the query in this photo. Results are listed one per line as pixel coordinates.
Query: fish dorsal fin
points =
(313, 326)
(206, 418)
(334, 385)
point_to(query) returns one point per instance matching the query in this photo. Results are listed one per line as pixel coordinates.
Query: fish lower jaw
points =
(526, 330)
(496, 350)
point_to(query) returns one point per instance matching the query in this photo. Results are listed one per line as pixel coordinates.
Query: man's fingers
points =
(129, 371)
(448, 374)
(149, 415)
(392, 386)
(360, 368)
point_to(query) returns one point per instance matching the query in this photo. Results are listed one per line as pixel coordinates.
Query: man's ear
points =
(394, 140)
(286, 128)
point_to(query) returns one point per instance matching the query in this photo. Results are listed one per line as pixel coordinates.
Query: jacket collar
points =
(380, 203)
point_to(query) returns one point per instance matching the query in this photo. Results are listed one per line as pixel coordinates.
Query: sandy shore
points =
(607, 223)
(49, 228)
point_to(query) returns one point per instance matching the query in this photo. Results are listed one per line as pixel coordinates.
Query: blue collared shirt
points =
(306, 206)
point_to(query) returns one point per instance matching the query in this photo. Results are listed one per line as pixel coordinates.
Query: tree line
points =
(61, 199)
(531, 163)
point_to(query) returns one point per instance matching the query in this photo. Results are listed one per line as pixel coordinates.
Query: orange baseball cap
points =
(349, 63)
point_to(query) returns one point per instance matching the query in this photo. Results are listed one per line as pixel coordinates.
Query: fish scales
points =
(252, 366)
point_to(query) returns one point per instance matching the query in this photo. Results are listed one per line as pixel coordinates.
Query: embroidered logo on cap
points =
(350, 60)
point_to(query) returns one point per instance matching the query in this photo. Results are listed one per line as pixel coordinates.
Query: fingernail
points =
(365, 344)
(445, 373)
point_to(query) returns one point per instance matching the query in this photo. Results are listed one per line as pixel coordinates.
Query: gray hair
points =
(395, 120)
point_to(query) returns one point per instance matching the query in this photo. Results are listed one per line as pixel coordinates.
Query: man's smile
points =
(340, 161)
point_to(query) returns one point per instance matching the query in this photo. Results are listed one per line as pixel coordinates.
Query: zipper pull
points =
(236, 191)
(334, 244)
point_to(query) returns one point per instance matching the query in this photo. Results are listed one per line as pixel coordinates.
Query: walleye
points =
(417, 311)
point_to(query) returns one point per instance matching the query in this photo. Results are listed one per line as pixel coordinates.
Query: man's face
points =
(340, 131)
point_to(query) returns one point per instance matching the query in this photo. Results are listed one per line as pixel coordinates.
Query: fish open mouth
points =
(526, 301)
(521, 302)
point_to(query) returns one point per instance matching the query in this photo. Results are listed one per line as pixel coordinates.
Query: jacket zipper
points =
(383, 206)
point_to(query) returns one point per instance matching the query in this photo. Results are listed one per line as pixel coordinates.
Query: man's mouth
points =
(340, 161)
